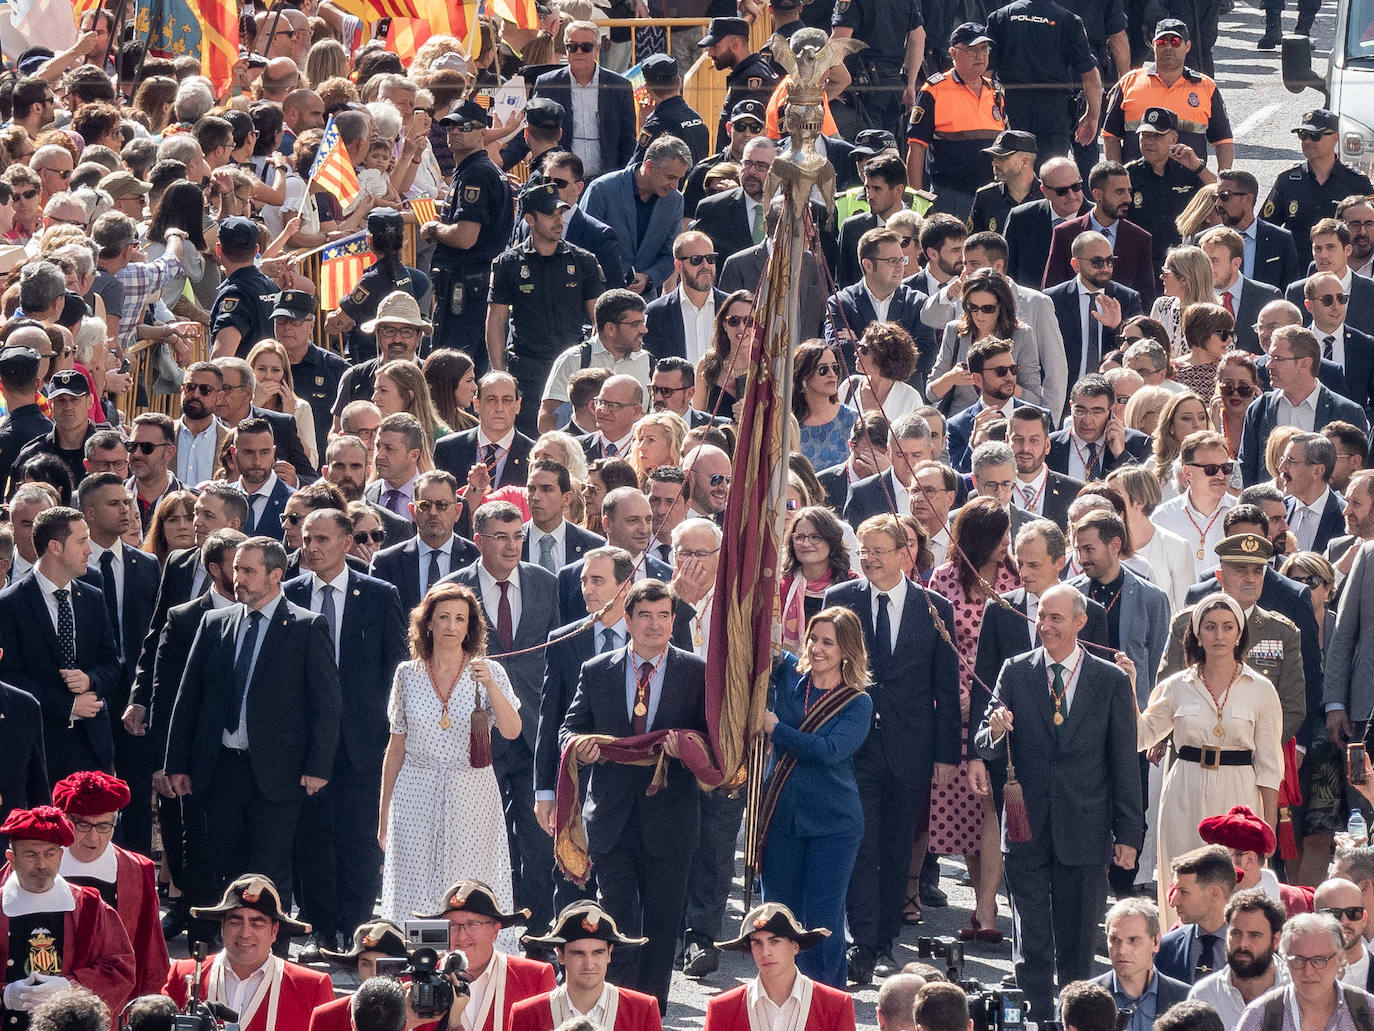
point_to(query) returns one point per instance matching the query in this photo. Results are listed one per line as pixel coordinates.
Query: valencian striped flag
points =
(333, 168)
(341, 266)
(404, 36)
(424, 209)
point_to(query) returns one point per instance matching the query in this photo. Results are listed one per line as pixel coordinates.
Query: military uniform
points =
(244, 302)
(877, 70)
(1158, 200)
(361, 304)
(955, 126)
(754, 78)
(992, 204)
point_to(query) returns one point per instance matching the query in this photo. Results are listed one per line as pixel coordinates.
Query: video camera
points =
(943, 951)
(431, 993)
(995, 1008)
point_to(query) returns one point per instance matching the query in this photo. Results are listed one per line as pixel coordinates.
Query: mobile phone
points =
(1355, 761)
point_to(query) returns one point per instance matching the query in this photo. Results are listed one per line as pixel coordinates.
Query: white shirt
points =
(1337, 336)
(239, 738)
(491, 596)
(19, 567)
(1218, 990)
(477, 992)
(1306, 518)
(1073, 666)
(1179, 516)
(445, 558)
(878, 306)
(238, 994)
(1035, 489)
(116, 567)
(340, 592)
(502, 450)
(217, 600)
(257, 499)
(534, 535)
(103, 868)
(698, 325)
(597, 1014)
(196, 454)
(1303, 414)
(1356, 972)
(50, 599)
(770, 1015)
(1079, 453)
(896, 602)
(586, 141)
(939, 545)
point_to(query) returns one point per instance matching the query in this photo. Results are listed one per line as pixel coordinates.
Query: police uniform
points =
(993, 203)
(754, 78)
(955, 127)
(540, 113)
(244, 300)
(1041, 53)
(672, 116)
(480, 194)
(316, 376)
(877, 70)
(695, 187)
(1298, 202)
(1202, 117)
(1158, 200)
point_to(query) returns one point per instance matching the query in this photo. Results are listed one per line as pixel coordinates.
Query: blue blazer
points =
(821, 796)
(664, 335)
(612, 199)
(1263, 415)
(615, 114)
(570, 601)
(1144, 628)
(1276, 256)
(1332, 522)
(852, 309)
(268, 523)
(1174, 948)
(1360, 312)
(959, 432)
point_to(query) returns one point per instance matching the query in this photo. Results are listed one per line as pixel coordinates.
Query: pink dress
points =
(956, 813)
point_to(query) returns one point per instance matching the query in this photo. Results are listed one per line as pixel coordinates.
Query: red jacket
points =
(333, 1016)
(831, 1010)
(1296, 898)
(634, 1011)
(524, 978)
(136, 888)
(302, 990)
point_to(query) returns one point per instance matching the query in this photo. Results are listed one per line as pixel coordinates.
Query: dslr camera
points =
(944, 952)
(433, 985)
(995, 1008)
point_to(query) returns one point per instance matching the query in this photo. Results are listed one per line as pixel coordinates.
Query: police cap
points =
(1158, 120)
(720, 28)
(659, 70)
(543, 113)
(466, 116)
(238, 233)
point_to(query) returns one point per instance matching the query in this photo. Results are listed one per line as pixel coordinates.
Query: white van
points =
(1349, 81)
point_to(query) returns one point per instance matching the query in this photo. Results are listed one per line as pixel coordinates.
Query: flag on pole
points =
(333, 167)
(424, 209)
(219, 43)
(637, 84)
(404, 36)
(520, 12)
(341, 266)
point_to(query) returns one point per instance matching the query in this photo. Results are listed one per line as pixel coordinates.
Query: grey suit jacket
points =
(1349, 678)
(1036, 311)
(1144, 628)
(743, 271)
(1025, 351)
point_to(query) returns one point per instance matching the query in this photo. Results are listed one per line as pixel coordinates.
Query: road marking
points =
(1254, 119)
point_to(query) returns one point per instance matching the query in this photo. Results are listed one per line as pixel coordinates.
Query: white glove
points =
(14, 994)
(27, 994)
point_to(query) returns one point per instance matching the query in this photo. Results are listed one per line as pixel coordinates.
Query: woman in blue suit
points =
(820, 717)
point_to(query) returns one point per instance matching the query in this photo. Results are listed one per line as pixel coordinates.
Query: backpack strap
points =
(1358, 1003)
(1273, 1012)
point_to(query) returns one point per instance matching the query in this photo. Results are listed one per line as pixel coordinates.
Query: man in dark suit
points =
(340, 863)
(1097, 442)
(914, 740)
(346, 466)
(1244, 298)
(493, 453)
(628, 520)
(1111, 192)
(548, 492)
(745, 270)
(1197, 946)
(255, 726)
(417, 564)
(1331, 254)
(1270, 255)
(734, 219)
(396, 461)
(1132, 944)
(24, 773)
(610, 117)
(1316, 513)
(1039, 489)
(681, 323)
(521, 609)
(908, 444)
(1082, 790)
(128, 579)
(641, 845)
(1030, 225)
(884, 180)
(59, 646)
(255, 453)
(993, 373)
(867, 457)
(1329, 310)
(1091, 306)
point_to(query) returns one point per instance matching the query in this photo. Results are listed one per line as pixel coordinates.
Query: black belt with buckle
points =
(1214, 758)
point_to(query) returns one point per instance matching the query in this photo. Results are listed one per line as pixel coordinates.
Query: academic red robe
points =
(300, 992)
(634, 1011)
(96, 953)
(333, 1016)
(830, 1010)
(524, 979)
(136, 889)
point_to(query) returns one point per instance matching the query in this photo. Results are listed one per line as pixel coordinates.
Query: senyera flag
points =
(333, 167)
(341, 266)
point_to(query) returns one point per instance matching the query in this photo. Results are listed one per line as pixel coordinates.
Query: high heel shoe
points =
(972, 932)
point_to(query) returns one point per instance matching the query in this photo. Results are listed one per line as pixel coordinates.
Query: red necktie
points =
(504, 629)
(641, 709)
(1229, 304)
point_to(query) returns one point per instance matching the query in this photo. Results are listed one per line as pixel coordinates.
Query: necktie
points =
(107, 586)
(504, 622)
(434, 574)
(329, 613)
(1329, 348)
(66, 628)
(392, 501)
(1061, 704)
(609, 450)
(243, 671)
(1092, 461)
(665, 553)
(1205, 958)
(254, 511)
(1028, 489)
(1228, 303)
(882, 633)
(609, 641)
(546, 544)
(641, 709)
(758, 223)
(488, 454)
(1093, 358)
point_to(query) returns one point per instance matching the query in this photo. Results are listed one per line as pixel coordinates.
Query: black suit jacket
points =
(563, 657)
(1060, 490)
(592, 234)
(372, 643)
(576, 542)
(24, 773)
(1276, 256)
(848, 271)
(835, 482)
(178, 577)
(399, 565)
(167, 665)
(1068, 313)
(141, 578)
(268, 522)
(745, 269)
(615, 115)
(852, 309)
(1170, 990)
(31, 661)
(669, 820)
(1254, 295)
(664, 335)
(1134, 261)
(457, 453)
(1027, 233)
(873, 495)
(724, 217)
(293, 702)
(288, 440)
(570, 601)
(916, 718)
(1332, 523)
(1137, 449)
(1359, 313)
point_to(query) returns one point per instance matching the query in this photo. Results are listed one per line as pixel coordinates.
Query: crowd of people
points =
(1071, 585)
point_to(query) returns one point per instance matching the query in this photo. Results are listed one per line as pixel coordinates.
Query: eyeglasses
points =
(716, 479)
(426, 110)
(104, 827)
(143, 447)
(60, 174)
(897, 262)
(28, 195)
(994, 486)
(757, 166)
(437, 506)
(505, 538)
(1212, 468)
(1236, 390)
(1281, 358)
(828, 367)
(1107, 262)
(66, 221)
(203, 389)
(634, 323)
(1330, 299)
(472, 926)
(1360, 225)
(1309, 135)
(1003, 370)
(1225, 195)
(1315, 962)
(735, 321)
(583, 48)
(807, 538)
(658, 391)
(611, 406)
(695, 260)
(982, 309)
(363, 536)
(928, 492)
(1064, 191)
(876, 552)
(695, 552)
(1169, 41)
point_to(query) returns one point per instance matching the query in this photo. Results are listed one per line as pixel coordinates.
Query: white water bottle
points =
(1356, 827)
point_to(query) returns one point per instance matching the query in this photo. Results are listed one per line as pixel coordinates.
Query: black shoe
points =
(860, 966)
(886, 965)
(313, 950)
(175, 920)
(929, 887)
(699, 961)
(1273, 31)
(1304, 25)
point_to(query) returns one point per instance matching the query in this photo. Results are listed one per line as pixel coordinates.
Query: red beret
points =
(1240, 829)
(90, 793)
(41, 823)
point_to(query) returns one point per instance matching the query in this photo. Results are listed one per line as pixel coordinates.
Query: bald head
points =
(897, 1002)
(280, 77)
(1337, 892)
(1274, 315)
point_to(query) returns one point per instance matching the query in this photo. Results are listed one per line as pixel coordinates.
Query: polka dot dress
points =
(956, 813)
(446, 822)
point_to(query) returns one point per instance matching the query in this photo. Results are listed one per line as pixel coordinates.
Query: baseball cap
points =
(748, 109)
(969, 34)
(543, 113)
(464, 115)
(873, 141)
(294, 304)
(659, 70)
(540, 197)
(1170, 27)
(19, 361)
(1012, 141)
(1159, 120)
(720, 28)
(68, 382)
(238, 233)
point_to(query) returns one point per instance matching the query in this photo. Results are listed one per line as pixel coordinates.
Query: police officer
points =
(543, 131)
(751, 76)
(543, 292)
(1013, 166)
(315, 372)
(385, 238)
(671, 115)
(1041, 54)
(1307, 193)
(1105, 23)
(476, 227)
(242, 312)
(896, 39)
(1163, 180)
(957, 114)
(746, 122)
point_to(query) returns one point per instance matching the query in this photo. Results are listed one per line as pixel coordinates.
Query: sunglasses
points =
(717, 479)
(1349, 912)
(437, 506)
(203, 389)
(61, 175)
(735, 321)
(1314, 582)
(563, 184)
(826, 367)
(695, 260)
(375, 536)
(1108, 262)
(28, 195)
(1003, 370)
(747, 125)
(1169, 41)
(1064, 191)
(1225, 195)
(981, 309)
(1226, 334)
(467, 127)
(1330, 299)
(143, 447)
(665, 391)
(1121, 399)
(583, 48)
(1312, 134)
(1236, 390)
(292, 518)
(1212, 468)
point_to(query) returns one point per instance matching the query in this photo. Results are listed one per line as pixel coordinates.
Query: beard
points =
(1245, 964)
